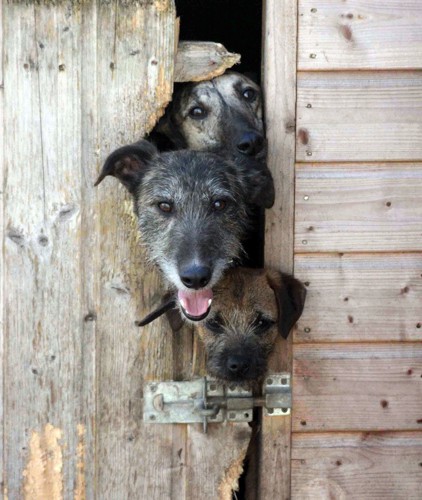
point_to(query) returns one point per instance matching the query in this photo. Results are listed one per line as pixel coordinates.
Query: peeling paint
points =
(43, 477)
(80, 490)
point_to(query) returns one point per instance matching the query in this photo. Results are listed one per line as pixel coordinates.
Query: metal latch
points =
(204, 400)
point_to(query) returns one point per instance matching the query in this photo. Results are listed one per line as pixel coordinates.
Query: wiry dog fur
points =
(190, 207)
(251, 308)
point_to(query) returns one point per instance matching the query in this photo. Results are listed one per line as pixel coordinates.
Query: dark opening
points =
(237, 24)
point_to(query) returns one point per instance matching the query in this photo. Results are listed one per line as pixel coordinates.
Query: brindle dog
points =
(251, 307)
(224, 116)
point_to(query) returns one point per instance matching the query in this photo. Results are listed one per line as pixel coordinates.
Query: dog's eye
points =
(249, 94)
(219, 205)
(165, 206)
(215, 325)
(261, 324)
(197, 112)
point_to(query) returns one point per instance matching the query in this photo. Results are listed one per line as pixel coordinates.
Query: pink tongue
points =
(195, 303)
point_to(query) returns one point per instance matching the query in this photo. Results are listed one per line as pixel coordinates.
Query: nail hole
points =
(269, 381)
(303, 422)
(270, 411)
(384, 403)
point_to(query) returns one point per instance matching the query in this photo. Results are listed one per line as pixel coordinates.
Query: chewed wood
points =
(362, 207)
(359, 116)
(383, 465)
(357, 387)
(360, 297)
(197, 61)
(379, 34)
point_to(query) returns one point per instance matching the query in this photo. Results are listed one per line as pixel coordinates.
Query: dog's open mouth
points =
(195, 304)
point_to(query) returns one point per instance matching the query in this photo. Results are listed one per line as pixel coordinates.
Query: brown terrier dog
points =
(251, 307)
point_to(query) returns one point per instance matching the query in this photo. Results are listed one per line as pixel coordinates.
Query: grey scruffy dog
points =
(192, 213)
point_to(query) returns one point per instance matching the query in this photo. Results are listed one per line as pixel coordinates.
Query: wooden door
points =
(78, 81)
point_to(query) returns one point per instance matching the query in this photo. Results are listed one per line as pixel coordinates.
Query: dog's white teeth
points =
(209, 302)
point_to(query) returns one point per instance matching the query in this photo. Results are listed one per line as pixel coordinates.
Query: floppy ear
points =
(290, 294)
(257, 179)
(128, 164)
(168, 307)
(261, 189)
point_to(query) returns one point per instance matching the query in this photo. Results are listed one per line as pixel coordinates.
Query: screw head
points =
(304, 242)
(312, 56)
(309, 105)
(306, 197)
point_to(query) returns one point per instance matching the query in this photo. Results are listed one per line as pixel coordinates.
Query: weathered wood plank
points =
(197, 61)
(3, 489)
(358, 207)
(359, 116)
(134, 75)
(42, 249)
(356, 466)
(381, 34)
(215, 460)
(279, 72)
(355, 298)
(357, 387)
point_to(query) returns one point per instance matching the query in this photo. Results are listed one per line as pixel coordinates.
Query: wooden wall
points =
(357, 352)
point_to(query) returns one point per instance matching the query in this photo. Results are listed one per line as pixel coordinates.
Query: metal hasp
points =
(205, 401)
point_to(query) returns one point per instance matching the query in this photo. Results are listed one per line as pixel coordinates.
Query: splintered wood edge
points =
(197, 61)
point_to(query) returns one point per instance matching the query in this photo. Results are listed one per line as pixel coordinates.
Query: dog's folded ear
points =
(290, 294)
(128, 164)
(261, 189)
(168, 307)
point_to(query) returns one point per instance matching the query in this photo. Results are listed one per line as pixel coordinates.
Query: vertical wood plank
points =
(214, 460)
(42, 248)
(280, 41)
(90, 254)
(3, 490)
(135, 74)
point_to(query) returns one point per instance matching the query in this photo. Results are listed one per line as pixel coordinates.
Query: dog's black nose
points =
(237, 365)
(251, 143)
(195, 276)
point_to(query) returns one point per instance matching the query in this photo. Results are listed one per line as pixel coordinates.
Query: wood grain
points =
(359, 116)
(279, 72)
(362, 207)
(197, 61)
(134, 74)
(357, 387)
(42, 253)
(381, 34)
(356, 466)
(360, 297)
(3, 487)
